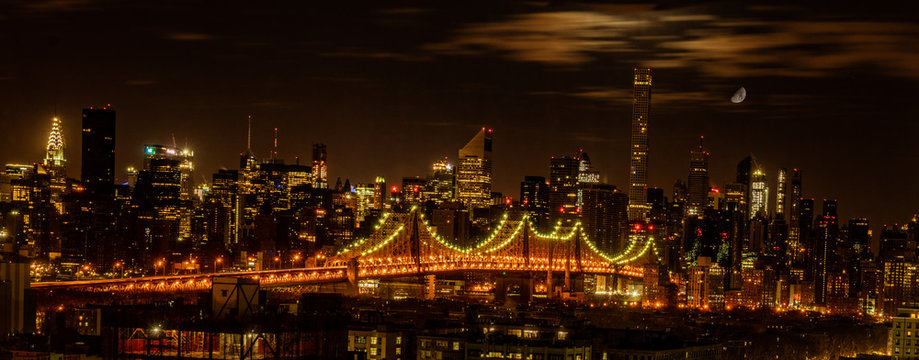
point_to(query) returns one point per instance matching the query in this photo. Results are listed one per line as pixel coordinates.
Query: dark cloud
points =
(189, 36)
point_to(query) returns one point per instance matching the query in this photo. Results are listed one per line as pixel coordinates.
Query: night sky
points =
(391, 87)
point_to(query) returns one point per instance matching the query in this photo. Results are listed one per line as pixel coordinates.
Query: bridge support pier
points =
(352, 272)
(523, 283)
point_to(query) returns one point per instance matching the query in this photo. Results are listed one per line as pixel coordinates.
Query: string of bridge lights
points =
(468, 250)
(509, 238)
(361, 241)
(387, 241)
(554, 235)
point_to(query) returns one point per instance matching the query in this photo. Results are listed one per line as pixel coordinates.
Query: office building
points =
(698, 182)
(473, 171)
(534, 198)
(781, 199)
(320, 167)
(98, 151)
(563, 186)
(638, 146)
(439, 186)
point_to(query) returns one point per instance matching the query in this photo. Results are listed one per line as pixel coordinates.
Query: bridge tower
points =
(415, 242)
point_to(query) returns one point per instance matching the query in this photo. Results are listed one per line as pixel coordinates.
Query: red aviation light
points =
(637, 226)
(395, 189)
(561, 209)
(507, 201)
(650, 227)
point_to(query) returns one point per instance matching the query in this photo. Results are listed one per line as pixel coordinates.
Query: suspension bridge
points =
(406, 244)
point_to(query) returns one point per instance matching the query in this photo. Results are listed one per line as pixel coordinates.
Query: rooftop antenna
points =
(249, 135)
(274, 154)
(701, 139)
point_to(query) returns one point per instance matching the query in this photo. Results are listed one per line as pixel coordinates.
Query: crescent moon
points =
(739, 95)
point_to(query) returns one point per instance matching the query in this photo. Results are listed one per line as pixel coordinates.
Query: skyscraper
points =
(795, 246)
(780, 193)
(759, 193)
(439, 186)
(825, 249)
(563, 185)
(534, 197)
(379, 193)
(638, 149)
(320, 169)
(54, 153)
(98, 155)
(698, 180)
(473, 171)
(603, 221)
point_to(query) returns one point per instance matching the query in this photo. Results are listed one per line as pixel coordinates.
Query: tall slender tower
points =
(698, 183)
(473, 171)
(320, 167)
(54, 155)
(780, 193)
(638, 149)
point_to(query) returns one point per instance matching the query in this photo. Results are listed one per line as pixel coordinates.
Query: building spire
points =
(249, 135)
(55, 149)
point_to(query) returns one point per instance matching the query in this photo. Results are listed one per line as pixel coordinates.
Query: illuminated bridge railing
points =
(198, 282)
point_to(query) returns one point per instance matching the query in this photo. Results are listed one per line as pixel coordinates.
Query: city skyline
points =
(201, 176)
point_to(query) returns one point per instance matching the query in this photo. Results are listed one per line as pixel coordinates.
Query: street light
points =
(296, 260)
(217, 261)
(277, 262)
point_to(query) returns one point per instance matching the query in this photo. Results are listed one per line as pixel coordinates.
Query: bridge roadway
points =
(366, 269)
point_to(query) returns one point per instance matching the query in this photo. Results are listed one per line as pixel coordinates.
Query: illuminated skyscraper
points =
(586, 174)
(605, 217)
(320, 169)
(759, 193)
(473, 171)
(98, 155)
(795, 246)
(413, 189)
(534, 197)
(379, 193)
(698, 183)
(54, 154)
(563, 186)
(157, 201)
(439, 186)
(638, 150)
(780, 193)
